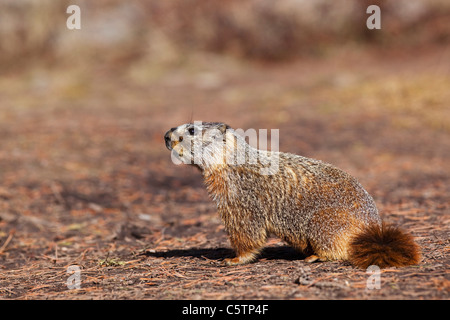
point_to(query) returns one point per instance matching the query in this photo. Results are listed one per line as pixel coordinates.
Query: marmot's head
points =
(212, 144)
(198, 143)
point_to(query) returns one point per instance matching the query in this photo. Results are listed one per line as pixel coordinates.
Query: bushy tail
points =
(387, 246)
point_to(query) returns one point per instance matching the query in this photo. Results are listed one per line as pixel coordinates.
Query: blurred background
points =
(93, 104)
(83, 112)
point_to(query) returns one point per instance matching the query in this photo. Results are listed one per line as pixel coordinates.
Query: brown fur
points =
(387, 246)
(313, 206)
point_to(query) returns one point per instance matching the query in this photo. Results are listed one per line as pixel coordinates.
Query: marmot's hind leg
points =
(330, 233)
(306, 248)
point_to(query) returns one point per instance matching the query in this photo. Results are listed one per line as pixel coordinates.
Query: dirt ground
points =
(86, 181)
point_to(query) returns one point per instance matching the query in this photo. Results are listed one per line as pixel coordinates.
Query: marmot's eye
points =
(191, 131)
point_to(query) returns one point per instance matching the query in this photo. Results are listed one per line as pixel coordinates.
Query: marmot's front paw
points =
(241, 259)
(313, 258)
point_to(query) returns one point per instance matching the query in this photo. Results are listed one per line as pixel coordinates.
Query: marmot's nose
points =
(168, 138)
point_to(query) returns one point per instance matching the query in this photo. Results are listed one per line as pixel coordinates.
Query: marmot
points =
(312, 205)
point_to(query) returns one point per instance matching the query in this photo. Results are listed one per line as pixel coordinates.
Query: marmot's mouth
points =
(168, 139)
(173, 144)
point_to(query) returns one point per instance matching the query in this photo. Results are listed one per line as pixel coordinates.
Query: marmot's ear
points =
(223, 127)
